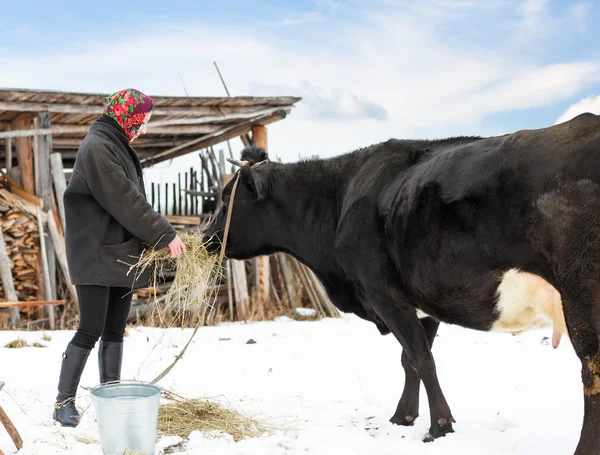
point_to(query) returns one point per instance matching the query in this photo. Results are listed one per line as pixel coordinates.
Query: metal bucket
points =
(127, 414)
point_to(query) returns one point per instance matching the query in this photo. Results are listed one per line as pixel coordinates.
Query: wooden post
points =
(186, 195)
(179, 211)
(158, 197)
(61, 255)
(60, 184)
(287, 278)
(263, 267)
(48, 295)
(25, 152)
(152, 195)
(7, 281)
(8, 153)
(166, 198)
(240, 287)
(174, 209)
(43, 181)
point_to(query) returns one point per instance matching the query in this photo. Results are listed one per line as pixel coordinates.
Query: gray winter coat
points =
(108, 218)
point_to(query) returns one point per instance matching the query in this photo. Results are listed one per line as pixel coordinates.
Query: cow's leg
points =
(584, 337)
(408, 330)
(408, 406)
(568, 234)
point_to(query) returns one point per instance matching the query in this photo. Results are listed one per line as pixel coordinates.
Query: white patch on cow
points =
(421, 314)
(527, 301)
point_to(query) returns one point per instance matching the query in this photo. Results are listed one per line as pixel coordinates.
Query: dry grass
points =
(194, 287)
(182, 416)
(16, 344)
(47, 337)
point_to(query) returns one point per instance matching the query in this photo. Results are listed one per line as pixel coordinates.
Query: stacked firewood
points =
(21, 236)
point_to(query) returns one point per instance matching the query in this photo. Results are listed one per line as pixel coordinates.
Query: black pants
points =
(103, 312)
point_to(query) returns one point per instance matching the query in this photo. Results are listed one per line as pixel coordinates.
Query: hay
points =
(196, 274)
(182, 416)
(16, 344)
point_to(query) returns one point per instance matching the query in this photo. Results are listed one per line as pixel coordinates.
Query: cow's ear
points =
(255, 182)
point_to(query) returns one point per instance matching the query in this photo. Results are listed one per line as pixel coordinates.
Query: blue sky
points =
(366, 71)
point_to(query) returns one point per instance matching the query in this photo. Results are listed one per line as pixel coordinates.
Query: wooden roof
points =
(179, 125)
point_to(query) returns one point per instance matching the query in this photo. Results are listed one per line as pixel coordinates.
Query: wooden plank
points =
(242, 299)
(7, 281)
(46, 276)
(24, 147)
(152, 196)
(60, 184)
(31, 303)
(10, 429)
(61, 255)
(43, 180)
(158, 197)
(179, 210)
(8, 152)
(166, 198)
(230, 290)
(287, 278)
(174, 209)
(186, 211)
(198, 125)
(89, 109)
(31, 200)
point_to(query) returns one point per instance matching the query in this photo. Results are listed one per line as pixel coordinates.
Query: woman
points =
(108, 223)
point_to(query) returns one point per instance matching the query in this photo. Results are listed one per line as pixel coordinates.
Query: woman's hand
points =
(177, 248)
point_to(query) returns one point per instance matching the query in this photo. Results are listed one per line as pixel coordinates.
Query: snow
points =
(306, 312)
(329, 387)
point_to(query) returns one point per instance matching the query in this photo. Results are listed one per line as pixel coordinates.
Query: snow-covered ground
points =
(331, 385)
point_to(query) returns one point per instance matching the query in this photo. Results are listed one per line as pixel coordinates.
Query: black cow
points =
(496, 233)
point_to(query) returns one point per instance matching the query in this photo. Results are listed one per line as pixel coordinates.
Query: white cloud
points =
(299, 19)
(535, 19)
(579, 13)
(590, 104)
(332, 104)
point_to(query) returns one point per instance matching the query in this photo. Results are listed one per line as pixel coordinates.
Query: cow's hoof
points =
(441, 428)
(400, 418)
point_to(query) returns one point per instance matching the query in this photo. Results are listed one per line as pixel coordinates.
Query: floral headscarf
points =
(129, 108)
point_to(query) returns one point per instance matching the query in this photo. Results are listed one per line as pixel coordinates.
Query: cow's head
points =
(255, 215)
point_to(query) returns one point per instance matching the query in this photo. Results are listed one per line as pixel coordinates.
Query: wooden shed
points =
(40, 132)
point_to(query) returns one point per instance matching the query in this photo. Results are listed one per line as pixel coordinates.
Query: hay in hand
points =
(196, 275)
(182, 416)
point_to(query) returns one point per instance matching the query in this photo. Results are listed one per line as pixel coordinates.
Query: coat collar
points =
(109, 127)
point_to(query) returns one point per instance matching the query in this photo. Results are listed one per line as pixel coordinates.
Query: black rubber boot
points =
(74, 360)
(110, 355)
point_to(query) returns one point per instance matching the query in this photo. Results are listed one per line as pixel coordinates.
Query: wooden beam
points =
(46, 275)
(25, 153)
(61, 255)
(43, 178)
(212, 139)
(217, 118)
(7, 281)
(60, 184)
(173, 126)
(8, 153)
(19, 106)
(27, 303)
(24, 132)
(10, 428)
